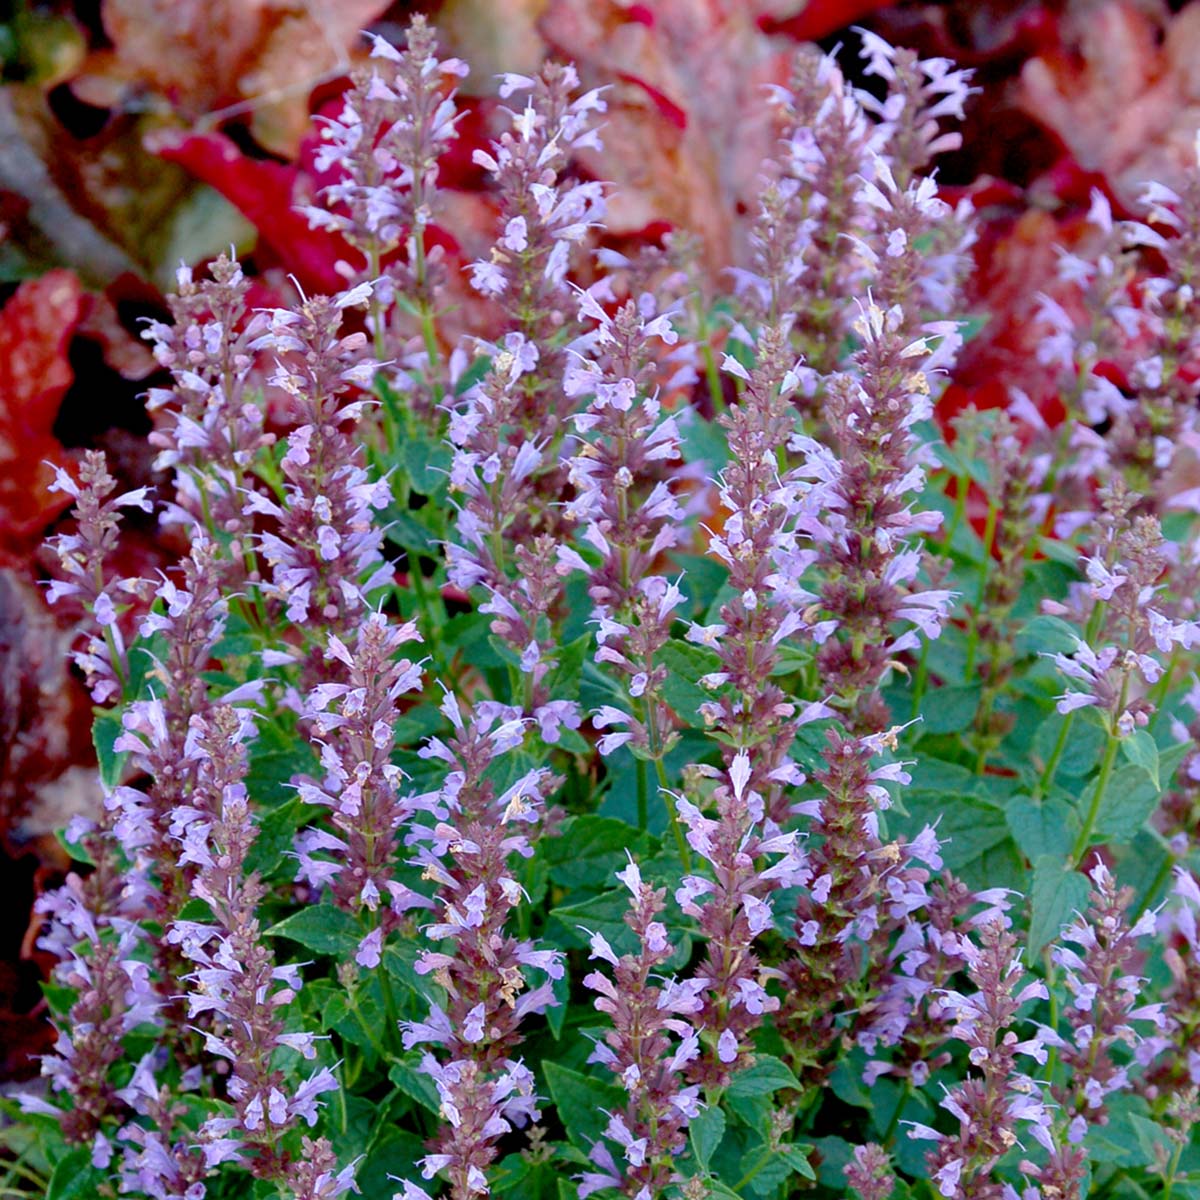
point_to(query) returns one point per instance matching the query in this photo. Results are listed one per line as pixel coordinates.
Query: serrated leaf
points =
(591, 850)
(415, 1084)
(797, 1159)
(579, 1101)
(1045, 634)
(966, 826)
(686, 664)
(1049, 827)
(1083, 748)
(1127, 803)
(950, 709)
(322, 929)
(74, 1177)
(105, 730)
(564, 681)
(1058, 892)
(768, 1074)
(1140, 748)
(705, 1134)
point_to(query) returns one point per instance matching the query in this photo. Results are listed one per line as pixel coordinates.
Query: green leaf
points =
(705, 1134)
(1128, 801)
(1058, 891)
(580, 1101)
(1046, 828)
(389, 1156)
(565, 680)
(966, 825)
(702, 441)
(427, 464)
(591, 850)
(1082, 751)
(276, 836)
(836, 1154)
(1139, 747)
(685, 665)
(1045, 634)
(415, 1084)
(75, 1178)
(797, 1158)
(105, 731)
(950, 709)
(767, 1075)
(322, 929)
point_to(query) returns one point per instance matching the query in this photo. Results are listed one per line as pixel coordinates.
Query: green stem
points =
(1106, 766)
(643, 795)
(672, 816)
(1052, 763)
(715, 391)
(989, 537)
(1160, 877)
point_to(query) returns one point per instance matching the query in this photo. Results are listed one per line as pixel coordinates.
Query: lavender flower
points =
(484, 1092)
(860, 890)
(1105, 1011)
(860, 516)
(733, 909)
(82, 558)
(508, 428)
(235, 977)
(994, 1106)
(353, 719)
(921, 93)
(1129, 628)
(639, 1049)
(95, 936)
(625, 500)
(212, 430)
(325, 556)
(1177, 1069)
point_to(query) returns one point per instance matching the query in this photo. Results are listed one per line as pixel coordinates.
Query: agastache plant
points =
(650, 1043)
(352, 719)
(624, 475)
(862, 515)
(82, 558)
(508, 428)
(997, 1103)
(235, 977)
(325, 550)
(384, 146)
(347, 922)
(210, 430)
(477, 835)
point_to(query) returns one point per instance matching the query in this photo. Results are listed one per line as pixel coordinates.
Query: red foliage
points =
(36, 326)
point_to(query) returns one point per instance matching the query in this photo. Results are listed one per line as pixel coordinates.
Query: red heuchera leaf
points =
(819, 18)
(266, 193)
(1120, 92)
(687, 128)
(36, 326)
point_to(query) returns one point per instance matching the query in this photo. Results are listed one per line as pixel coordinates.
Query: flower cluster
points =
(325, 551)
(995, 1106)
(342, 920)
(82, 555)
(211, 429)
(861, 514)
(235, 976)
(476, 832)
(641, 1052)
(353, 721)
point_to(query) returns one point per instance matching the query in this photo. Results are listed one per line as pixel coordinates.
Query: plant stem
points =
(1106, 766)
